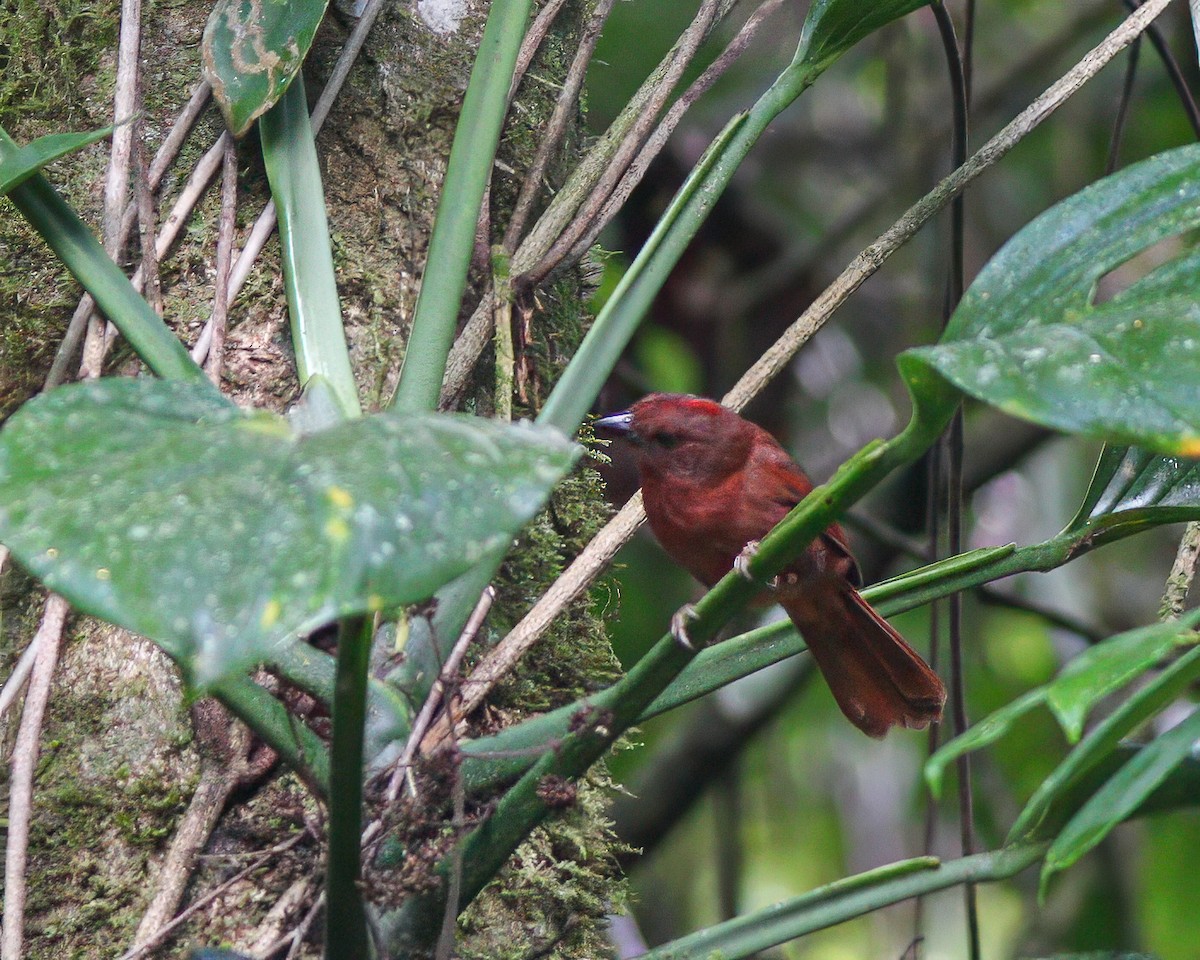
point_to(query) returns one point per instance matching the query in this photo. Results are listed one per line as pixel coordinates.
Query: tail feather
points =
(878, 680)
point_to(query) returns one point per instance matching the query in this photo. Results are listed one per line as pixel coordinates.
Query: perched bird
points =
(714, 483)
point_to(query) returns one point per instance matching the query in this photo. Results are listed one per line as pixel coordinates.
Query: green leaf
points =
(1101, 742)
(1086, 680)
(1141, 481)
(18, 164)
(251, 51)
(314, 311)
(1121, 796)
(834, 26)
(1108, 666)
(219, 533)
(1030, 337)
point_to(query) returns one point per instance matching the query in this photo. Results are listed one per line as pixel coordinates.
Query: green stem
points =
(296, 744)
(73, 244)
(845, 900)
(346, 922)
(467, 173)
(290, 156)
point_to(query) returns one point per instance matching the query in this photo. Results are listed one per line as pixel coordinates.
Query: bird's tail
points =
(878, 680)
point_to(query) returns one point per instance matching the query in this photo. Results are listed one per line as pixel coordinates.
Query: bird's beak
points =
(621, 423)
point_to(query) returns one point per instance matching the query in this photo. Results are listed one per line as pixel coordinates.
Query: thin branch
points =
(24, 764)
(564, 107)
(657, 140)
(1183, 572)
(201, 902)
(163, 159)
(587, 211)
(595, 557)
(116, 184)
(448, 676)
(225, 238)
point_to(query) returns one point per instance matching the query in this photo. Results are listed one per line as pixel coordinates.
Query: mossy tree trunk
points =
(121, 758)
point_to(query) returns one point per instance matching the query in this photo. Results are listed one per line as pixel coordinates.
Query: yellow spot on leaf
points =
(375, 603)
(52, 553)
(103, 573)
(337, 529)
(270, 614)
(1189, 447)
(340, 498)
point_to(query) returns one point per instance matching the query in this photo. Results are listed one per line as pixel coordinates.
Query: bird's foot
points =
(679, 624)
(741, 563)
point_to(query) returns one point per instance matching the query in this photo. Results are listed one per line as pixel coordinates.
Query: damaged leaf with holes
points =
(1033, 337)
(221, 533)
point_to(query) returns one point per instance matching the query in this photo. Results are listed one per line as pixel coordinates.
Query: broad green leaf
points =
(1091, 676)
(1030, 337)
(1102, 741)
(252, 49)
(834, 26)
(219, 533)
(18, 164)
(1121, 796)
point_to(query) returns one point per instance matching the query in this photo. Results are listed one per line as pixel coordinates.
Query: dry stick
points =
(116, 185)
(225, 238)
(596, 556)
(690, 42)
(199, 904)
(557, 126)
(475, 335)
(144, 203)
(24, 763)
(433, 701)
(654, 145)
(1183, 572)
(163, 159)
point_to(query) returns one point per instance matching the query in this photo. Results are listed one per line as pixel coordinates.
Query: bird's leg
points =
(741, 563)
(679, 624)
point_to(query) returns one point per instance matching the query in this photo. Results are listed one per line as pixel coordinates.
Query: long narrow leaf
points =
(1121, 796)
(318, 336)
(475, 140)
(73, 244)
(18, 164)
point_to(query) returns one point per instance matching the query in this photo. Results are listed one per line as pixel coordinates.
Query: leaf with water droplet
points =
(220, 533)
(1032, 337)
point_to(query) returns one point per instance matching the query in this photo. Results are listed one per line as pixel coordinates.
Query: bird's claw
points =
(679, 624)
(741, 563)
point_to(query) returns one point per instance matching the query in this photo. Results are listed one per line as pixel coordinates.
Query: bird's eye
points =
(666, 440)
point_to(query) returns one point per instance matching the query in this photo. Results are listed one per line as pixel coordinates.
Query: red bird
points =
(712, 484)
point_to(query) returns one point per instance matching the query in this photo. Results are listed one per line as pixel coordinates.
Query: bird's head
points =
(679, 435)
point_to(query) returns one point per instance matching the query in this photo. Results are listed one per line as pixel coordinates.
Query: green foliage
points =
(252, 50)
(834, 26)
(1032, 337)
(18, 164)
(220, 533)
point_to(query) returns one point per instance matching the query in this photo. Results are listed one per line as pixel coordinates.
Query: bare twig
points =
(144, 202)
(225, 238)
(657, 140)
(201, 902)
(596, 556)
(587, 212)
(447, 677)
(163, 159)
(1183, 572)
(24, 763)
(116, 184)
(557, 125)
